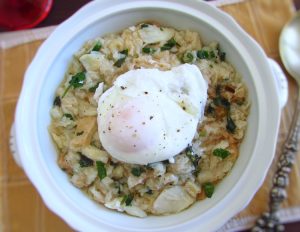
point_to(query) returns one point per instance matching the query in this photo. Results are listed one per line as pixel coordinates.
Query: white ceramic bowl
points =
(37, 152)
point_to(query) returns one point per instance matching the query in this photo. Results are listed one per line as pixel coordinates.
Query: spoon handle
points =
(269, 221)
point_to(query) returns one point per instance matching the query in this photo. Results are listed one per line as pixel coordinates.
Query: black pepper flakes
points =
(145, 92)
(151, 117)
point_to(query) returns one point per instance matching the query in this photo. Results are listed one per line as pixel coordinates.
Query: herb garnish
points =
(101, 169)
(57, 101)
(97, 46)
(144, 25)
(76, 81)
(148, 50)
(150, 191)
(69, 116)
(93, 89)
(137, 171)
(127, 199)
(220, 152)
(230, 126)
(120, 61)
(202, 54)
(79, 133)
(192, 156)
(169, 45)
(209, 110)
(85, 161)
(187, 58)
(221, 101)
(222, 55)
(209, 189)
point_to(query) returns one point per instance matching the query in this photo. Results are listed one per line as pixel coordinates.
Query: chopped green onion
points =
(209, 189)
(76, 81)
(187, 57)
(127, 199)
(205, 54)
(97, 46)
(220, 152)
(137, 171)
(212, 55)
(85, 161)
(202, 54)
(101, 169)
(148, 50)
(69, 116)
(169, 45)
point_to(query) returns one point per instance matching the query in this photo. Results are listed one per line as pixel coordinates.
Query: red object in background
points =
(22, 14)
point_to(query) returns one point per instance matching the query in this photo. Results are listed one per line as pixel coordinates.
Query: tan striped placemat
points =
(21, 208)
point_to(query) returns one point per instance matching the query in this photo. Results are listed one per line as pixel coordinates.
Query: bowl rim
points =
(70, 213)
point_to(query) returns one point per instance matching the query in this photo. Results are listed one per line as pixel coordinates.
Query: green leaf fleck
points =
(127, 199)
(93, 89)
(169, 45)
(119, 62)
(137, 171)
(69, 116)
(101, 169)
(144, 25)
(97, 46)
(209, 189)
(57, 101)
(148, 50)
(230, 126)
(85, 161)
(220, 152)
(76, 81)
(202, 54)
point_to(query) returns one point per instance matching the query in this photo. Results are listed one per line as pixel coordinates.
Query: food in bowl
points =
(149, 120)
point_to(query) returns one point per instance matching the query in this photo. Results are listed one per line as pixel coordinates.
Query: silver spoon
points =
(289, 47)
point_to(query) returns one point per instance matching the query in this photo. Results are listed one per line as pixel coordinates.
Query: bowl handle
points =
(281, 82)
(13, 145)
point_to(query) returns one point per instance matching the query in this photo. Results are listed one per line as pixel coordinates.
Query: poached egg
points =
(150, 115)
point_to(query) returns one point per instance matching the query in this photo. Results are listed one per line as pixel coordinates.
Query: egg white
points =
(150, 115)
